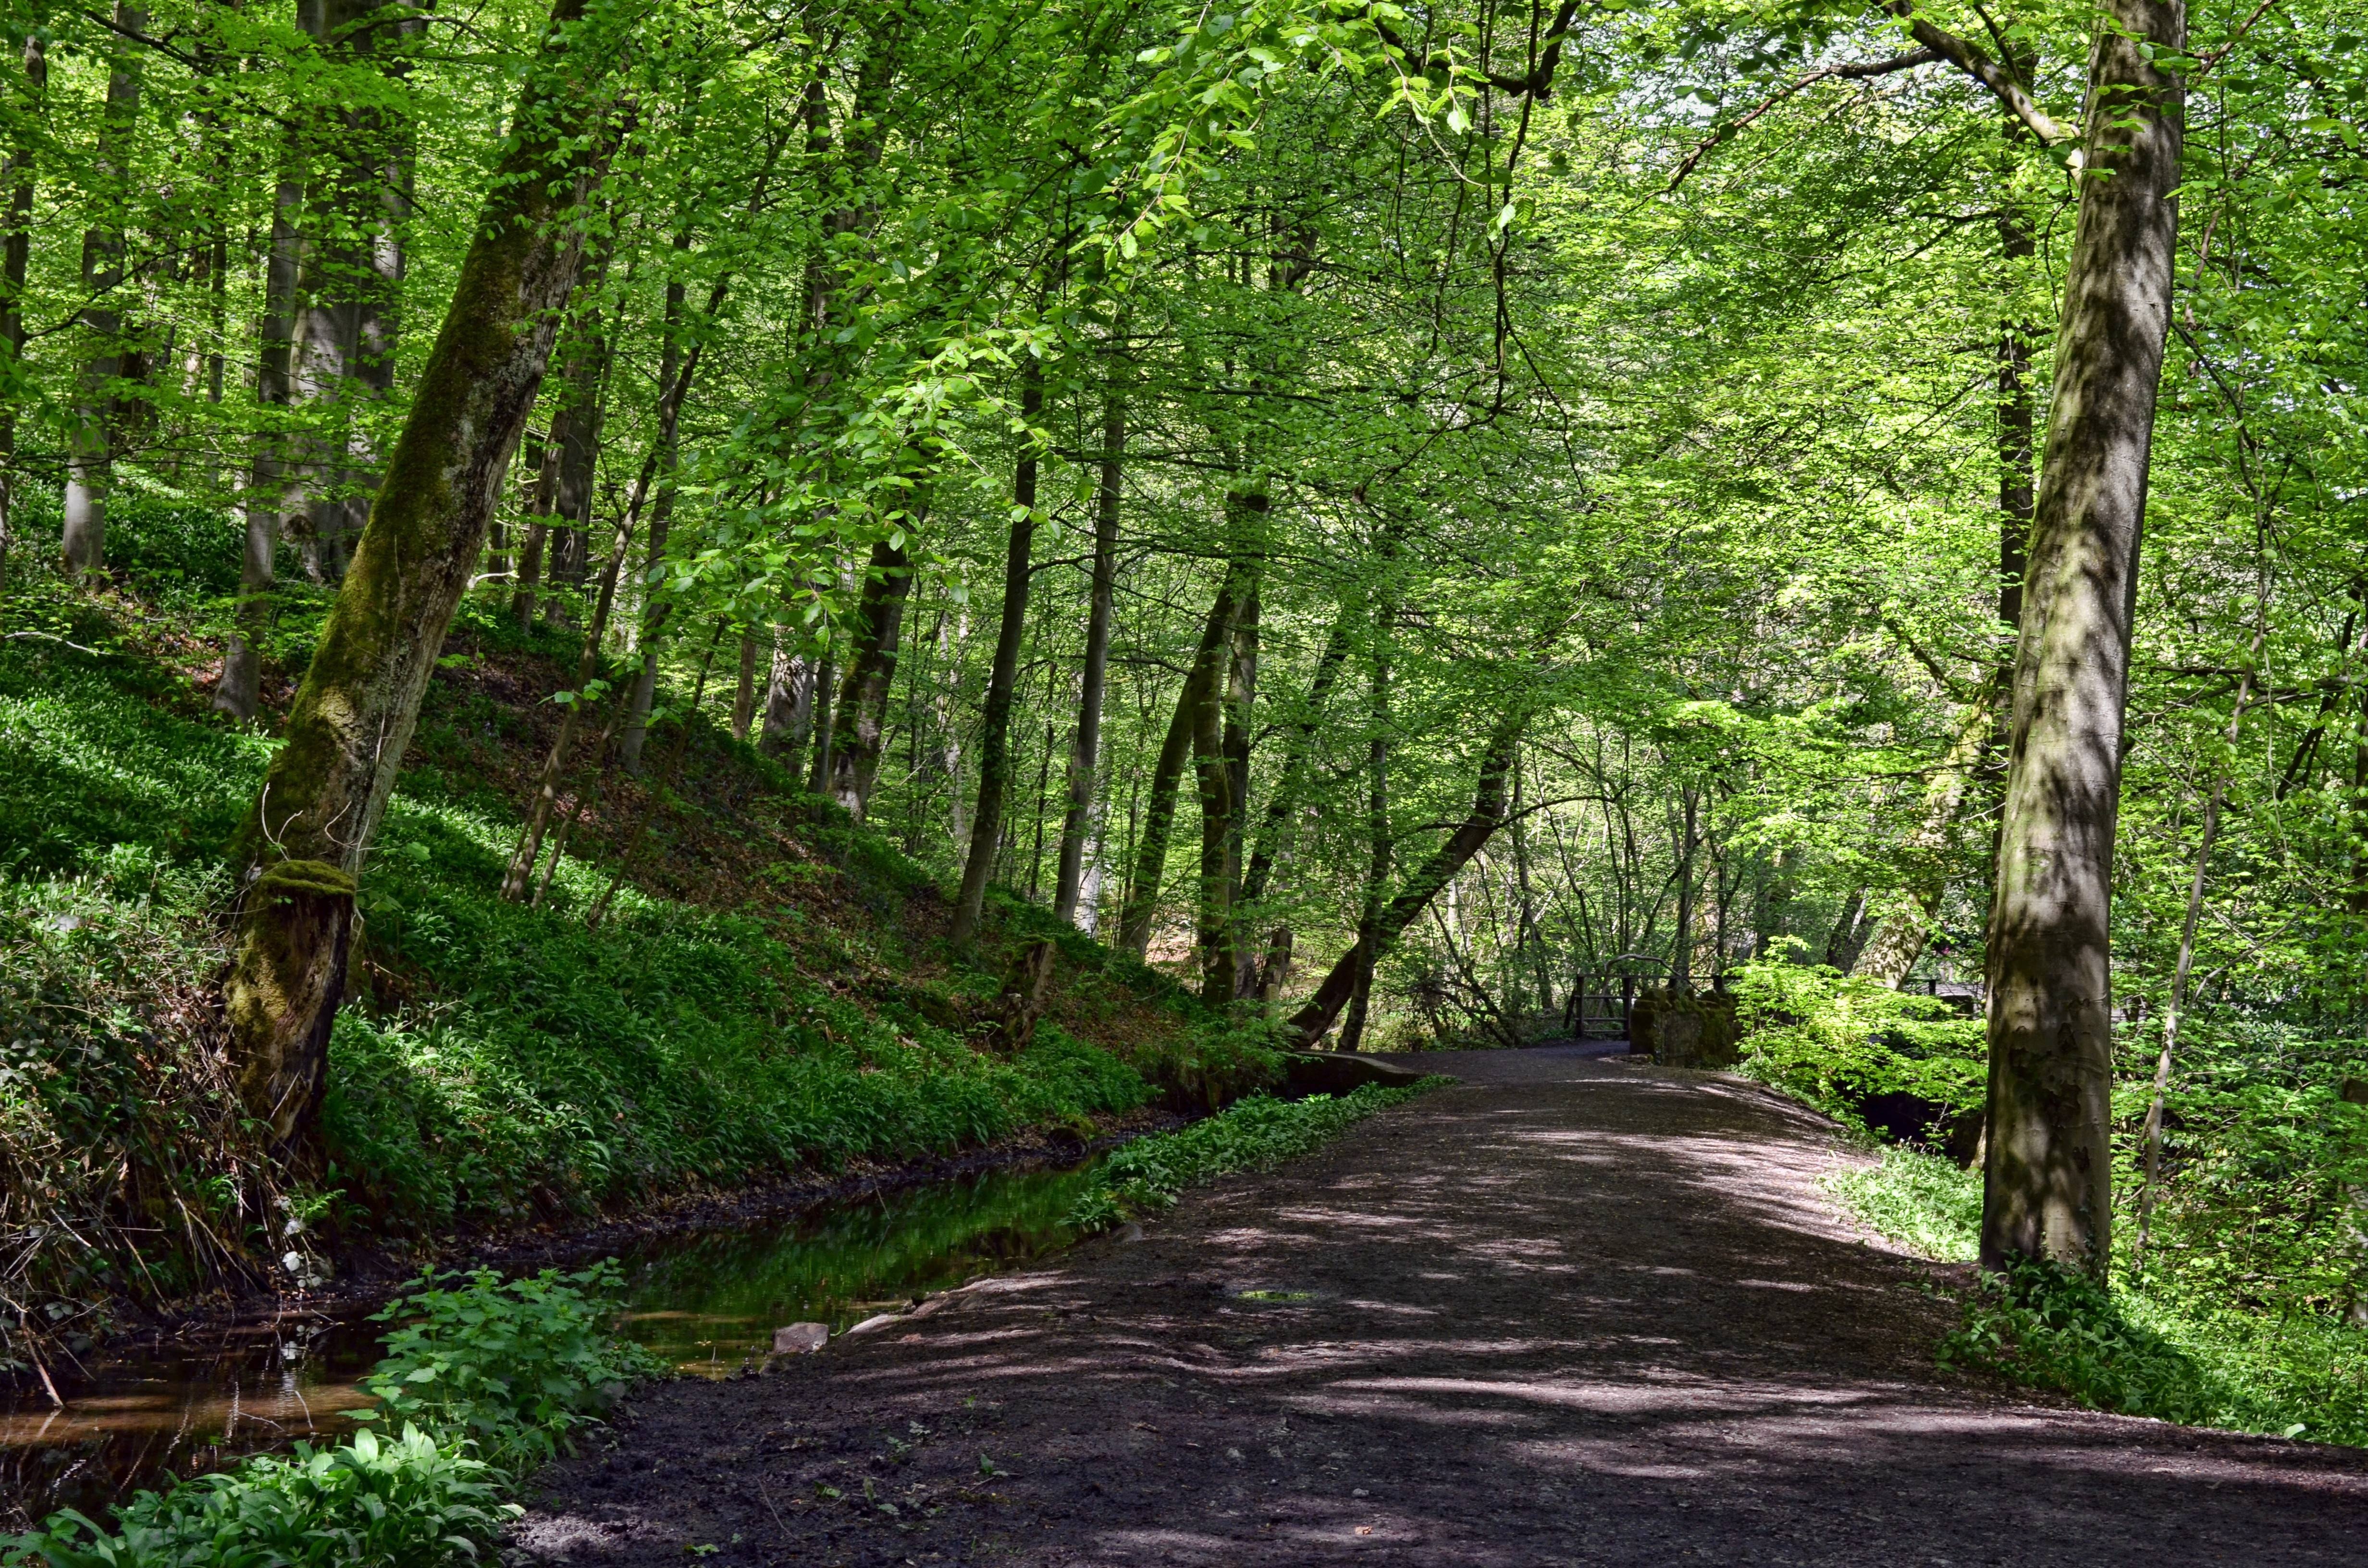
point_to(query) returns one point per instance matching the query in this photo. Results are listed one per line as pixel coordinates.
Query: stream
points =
(706, 1300)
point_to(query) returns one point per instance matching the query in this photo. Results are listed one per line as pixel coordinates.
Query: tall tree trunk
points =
(2047, 1181)
(302, 847)
(1150, 872)
(1274, 829)
(656, 607)
(1241, 702)
(1212, 771)
(1898, 941)
(2151, 1138)
(15, 251)
(744, 694)
(1312, 1021)
(1086, 755)
(1681, 947)
(1378, 848)
(90, 432)
(861, 722)
(542, 462)
(995, 726)
(567, 559)
(240, 692)
(788, 700)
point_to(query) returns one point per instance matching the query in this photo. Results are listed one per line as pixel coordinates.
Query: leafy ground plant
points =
(2151, 1348)
(1149, 1174)
(485, 1378)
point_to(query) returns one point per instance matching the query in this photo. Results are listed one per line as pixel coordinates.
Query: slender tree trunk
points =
(1274, 830)
(546, 795)
(240, 692)
(1213, 770)
(90, 434)
(655, 608)
(1907, 925)
(2047, 1181)
(1234, 950)
(15, 251)
(542, 462)
(743, 695)
(1150, 871)
(995, 728)
(1086, 753)
(862, 724)
(1682, 950)
(302, 848)
(1378, 850)
(1312, 1021)
(2175, 1008)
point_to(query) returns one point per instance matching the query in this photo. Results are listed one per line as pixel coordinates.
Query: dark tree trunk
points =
(994, 727)
(1212, 771)
(302, 848)
(1086, 756)
(1150, 870)
(744, 694)
(1314, 1020)
(1274, 830)
(788, 700)
(2047, 1181)
(862, 706)
(1378, 850)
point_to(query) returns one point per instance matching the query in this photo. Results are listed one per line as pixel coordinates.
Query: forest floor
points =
(1572, 1311)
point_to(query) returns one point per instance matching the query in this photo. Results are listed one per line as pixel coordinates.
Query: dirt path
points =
(1573, 1311)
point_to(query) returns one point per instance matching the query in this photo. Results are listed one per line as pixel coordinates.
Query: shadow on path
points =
(1573, 1311)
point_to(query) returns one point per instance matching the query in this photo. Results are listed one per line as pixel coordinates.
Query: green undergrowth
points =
(495, 1065)
(1834, 1040)
(1149, 1174)
(2155, 1347)
(481, 1381)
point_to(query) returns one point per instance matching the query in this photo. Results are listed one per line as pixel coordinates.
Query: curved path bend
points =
(1572, 1311)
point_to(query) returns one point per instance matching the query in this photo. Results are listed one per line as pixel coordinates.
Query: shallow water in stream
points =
(707, 1301)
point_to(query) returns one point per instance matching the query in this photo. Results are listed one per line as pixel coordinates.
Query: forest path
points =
(1573, 1311)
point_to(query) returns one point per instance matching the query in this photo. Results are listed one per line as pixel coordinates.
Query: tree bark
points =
(862, 708)
(1212, 771)
(1159, 813)
(1314, 1020)
(788, 703)
(303, 846)
(743, 695)
(1274, 828)
(15, 253)
(656, 608)
(90, 431)
(1378, 846)
(995, 728)
(239, 692)
(1898, 941)
(2047, 1181)
(1085, 756)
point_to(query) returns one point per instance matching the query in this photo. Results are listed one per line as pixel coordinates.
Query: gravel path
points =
(1573, 1311)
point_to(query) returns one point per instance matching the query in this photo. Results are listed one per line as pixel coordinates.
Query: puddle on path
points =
(705, 1300)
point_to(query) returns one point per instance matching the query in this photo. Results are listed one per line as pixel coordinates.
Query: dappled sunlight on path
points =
(1573, 1311)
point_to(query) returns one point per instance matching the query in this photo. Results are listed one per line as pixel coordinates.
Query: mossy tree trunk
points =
(302, 848)
(995, 725)
(91, 425)
(1167, 773)
(2048, 1179)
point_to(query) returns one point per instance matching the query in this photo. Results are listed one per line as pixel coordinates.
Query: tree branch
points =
(2001, 81)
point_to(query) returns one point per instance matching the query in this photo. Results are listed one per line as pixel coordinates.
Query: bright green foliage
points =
(1149, 1174)
(2165, 1348)
(489, 1380)
(1834, 1039)
(513, 1366)
(1922, 1201)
